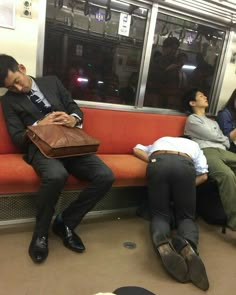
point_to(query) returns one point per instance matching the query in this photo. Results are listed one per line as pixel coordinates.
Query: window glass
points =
(228, 84)
(95, 48)
(185, 54)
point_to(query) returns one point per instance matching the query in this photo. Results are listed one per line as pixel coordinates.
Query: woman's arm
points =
(225, 121)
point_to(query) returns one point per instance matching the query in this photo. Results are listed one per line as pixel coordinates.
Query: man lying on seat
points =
(175, 166)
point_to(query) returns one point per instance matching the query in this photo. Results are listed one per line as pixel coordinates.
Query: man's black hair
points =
(172, 42)
(7, 63)
(190, 95)
(230, 104)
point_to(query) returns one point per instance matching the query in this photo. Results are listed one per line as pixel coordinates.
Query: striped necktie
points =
(38, 102)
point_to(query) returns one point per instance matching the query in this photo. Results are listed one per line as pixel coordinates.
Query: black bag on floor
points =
(209, 205)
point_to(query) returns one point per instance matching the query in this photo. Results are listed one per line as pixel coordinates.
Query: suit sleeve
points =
(15, 126)
(69, 104)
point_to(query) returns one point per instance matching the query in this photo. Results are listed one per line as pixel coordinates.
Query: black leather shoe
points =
(196, 268)
(174, 263)
(70, 239)
(38, 249)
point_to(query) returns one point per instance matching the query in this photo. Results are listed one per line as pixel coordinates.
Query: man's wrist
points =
(77, 121)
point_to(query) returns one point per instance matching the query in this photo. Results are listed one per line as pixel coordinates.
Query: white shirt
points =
(40, 95)
(182, 145)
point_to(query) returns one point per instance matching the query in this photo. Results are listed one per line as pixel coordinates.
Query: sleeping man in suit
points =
(53, 105)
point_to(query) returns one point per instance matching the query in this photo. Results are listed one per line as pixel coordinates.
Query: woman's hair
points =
(231, 103)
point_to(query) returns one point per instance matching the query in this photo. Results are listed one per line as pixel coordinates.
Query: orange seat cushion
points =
(19, 177)
(128, 169)
(118, 132)
(6, 145)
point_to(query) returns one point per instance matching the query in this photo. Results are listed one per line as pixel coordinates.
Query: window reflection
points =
(184, 55)
(83, 47)
(96, 63)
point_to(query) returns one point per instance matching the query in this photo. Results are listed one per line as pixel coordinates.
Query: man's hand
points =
(140, 154)
(58, 118)
(201, 178)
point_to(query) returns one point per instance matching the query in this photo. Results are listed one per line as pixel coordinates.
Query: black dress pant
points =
(54, 174)
(172, 194)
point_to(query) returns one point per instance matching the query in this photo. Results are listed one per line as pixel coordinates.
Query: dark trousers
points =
(172, 196)
(54, 173)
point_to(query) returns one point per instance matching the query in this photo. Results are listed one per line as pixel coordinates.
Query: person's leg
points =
(53, 177)
(100, 178)
(183, 191)
(186, 240)
(196, 268)
(222, 168)
(158, 172)
(159, 199)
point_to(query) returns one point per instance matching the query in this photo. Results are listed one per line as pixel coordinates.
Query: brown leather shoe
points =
(196, 268)
(174, 264)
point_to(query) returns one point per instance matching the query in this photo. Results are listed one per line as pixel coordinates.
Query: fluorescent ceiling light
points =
(188, 67)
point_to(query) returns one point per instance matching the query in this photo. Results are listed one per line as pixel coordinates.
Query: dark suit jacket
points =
(19, 112)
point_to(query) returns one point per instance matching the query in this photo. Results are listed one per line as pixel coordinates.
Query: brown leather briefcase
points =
(56, 141)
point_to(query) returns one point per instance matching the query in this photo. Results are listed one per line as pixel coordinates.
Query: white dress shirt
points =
(182, 145)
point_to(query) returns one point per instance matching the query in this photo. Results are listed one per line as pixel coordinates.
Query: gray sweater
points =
(205, 132)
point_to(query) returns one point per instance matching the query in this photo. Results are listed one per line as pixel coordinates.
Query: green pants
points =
(222, 169)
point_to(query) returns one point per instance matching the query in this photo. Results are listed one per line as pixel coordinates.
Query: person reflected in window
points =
(175, 166)
(164, 63)
(20, 112)
(203, 74)
(70, 81)
(181, 60)
(111, 88)
(226, 119)
(128, 93)
(163, 79)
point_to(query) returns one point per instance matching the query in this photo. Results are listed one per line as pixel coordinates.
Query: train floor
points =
(110, 262)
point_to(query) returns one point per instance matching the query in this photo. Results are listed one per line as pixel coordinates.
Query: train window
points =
(95, 48)
(184, 54)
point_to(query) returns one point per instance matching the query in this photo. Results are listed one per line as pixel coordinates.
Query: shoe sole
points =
(176, 266)
(197, 272)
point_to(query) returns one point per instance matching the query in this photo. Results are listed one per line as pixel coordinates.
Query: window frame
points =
(153, 10)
